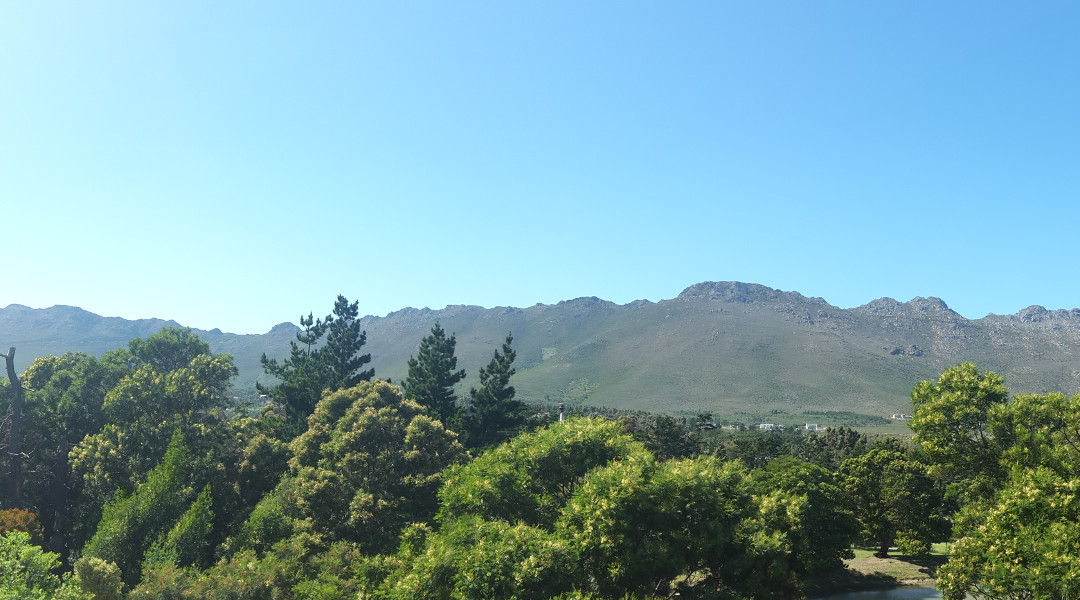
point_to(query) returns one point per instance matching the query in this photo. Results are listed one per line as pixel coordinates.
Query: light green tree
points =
(130, 524)
(369, 463)
(143, 411)
(1027, 543)
(27, 572)
(678, 526)
(1024, 542)
(530, 477)
(102, 580)
(950, 419)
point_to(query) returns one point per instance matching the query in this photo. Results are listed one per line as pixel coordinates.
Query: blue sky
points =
(238, 164)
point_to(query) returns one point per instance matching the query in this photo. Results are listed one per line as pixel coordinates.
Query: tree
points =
(314, 365)
(830, 448)
(432, 375)
(493, 415)
(667, 437)
(531, 477)
(369, 463)
(27, 573)
(130, 524)
(895, 501)
(1027, 544)
(343, 342)
(950, 418)
(648, 527)
(14, 433)
(1024, 542)
(168, 350)
(580, 504)
(473, 559)
(142, 412)
(824, 523)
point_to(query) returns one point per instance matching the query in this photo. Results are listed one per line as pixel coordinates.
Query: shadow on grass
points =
(871, 573)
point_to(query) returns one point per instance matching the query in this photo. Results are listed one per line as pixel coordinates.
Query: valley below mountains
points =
(728, 348)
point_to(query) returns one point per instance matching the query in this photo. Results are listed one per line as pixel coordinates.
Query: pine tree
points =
(341, 354)
(493, 414)
(432, 375)
(312, 368)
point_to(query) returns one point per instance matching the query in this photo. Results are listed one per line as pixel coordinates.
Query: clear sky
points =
(238, 164)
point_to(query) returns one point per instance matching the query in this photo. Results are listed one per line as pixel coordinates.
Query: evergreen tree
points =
(432, 377)
(312, 368)
(493, 415)
(341, 354)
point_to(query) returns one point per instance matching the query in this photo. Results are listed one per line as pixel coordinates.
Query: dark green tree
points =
(895, 500)
(168, 350)
(833, 446)
(433, 375)
(667, 438)
(65, 406)
(344, 339)
(493, 415)
(315, 365)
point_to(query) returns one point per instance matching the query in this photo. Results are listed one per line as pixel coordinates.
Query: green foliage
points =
(1027, 544)
(757, 448)
(263, 458)
(642, 526)
(532, 476)
(832, 447)
(64, 407)
(470, 558)
(493, 415)
(823, 523)
(433, 375)
(267, 525)
(130, 524)
(171, 349)
(102, 580)
(369, 463)
(950, 419)
(1024, 541)
(26, 572)
(667, 437)
(187, 543)
(143, 410)
(316, 364)
(581, 504)
(894, 495)
(1040, 431)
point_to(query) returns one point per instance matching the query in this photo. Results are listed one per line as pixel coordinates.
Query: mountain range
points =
(728, 348)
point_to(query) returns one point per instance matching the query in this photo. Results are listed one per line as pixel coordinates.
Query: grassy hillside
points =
(727, 348)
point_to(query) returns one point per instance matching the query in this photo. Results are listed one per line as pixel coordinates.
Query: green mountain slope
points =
(724, 347)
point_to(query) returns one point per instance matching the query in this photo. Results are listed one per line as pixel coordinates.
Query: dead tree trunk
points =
(13, 439)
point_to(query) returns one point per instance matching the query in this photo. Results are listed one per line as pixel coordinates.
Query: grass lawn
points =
(867, 571)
